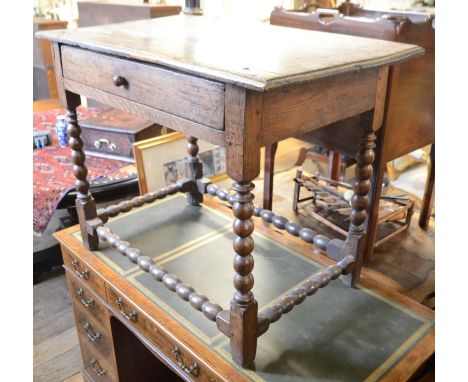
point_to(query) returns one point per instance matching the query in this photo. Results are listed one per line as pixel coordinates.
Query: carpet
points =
(53, 169)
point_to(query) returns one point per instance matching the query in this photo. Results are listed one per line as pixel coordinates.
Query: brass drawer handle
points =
(90, 332)
(104, 142)
(194, 369)
(97, 368)
(88, 303)
(132, 316)
(82, 274)
(120, 81)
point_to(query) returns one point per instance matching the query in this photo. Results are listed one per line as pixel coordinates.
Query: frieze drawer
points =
(195, 99)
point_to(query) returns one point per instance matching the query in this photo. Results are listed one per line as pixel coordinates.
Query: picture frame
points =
(161, 161)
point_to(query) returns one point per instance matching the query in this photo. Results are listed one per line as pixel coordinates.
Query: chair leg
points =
(334, 165)
(428, 201)
(270, 153)
(301, 157)
(297, 190)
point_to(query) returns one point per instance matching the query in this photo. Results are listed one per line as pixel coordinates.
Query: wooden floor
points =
(407, 262)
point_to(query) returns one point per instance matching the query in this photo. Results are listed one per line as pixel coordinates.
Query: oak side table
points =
(240, 88)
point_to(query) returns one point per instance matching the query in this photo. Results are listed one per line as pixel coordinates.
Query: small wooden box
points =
(112, 133)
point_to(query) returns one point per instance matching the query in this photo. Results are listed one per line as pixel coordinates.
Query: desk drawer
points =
(84, 272)
(100, 368)
(93, 332)
(184, 360)
(85, 299)
(180, 357)
(192, 98)
(130, 313)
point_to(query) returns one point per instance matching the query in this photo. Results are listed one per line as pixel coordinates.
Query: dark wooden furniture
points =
(132, 328)
(93, 13)
(111, 134)
(409, 115)
(241, 93)
(332, 208)
(44, 85)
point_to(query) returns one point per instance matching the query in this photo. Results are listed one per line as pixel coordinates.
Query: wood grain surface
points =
(255, 55)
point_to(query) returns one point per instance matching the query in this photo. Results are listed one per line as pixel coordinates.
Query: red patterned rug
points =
(53, 175)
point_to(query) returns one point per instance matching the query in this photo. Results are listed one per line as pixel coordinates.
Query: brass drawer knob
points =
(132, 316)
(193, 369)
(87, 303)
(90, 332)
(119, 81)
(97, 368)
(82, 274)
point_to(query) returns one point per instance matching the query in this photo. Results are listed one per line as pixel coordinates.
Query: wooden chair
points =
(409, 117)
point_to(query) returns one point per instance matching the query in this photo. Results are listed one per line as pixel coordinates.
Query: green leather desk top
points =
(339, 334)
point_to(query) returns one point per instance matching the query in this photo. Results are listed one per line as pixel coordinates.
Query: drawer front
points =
(82, 297)
(84, 272)
(107, 142)
(181, 358)
(192, 98)
(93, 332)
(98, 366)
(185, 360)
(129, 313)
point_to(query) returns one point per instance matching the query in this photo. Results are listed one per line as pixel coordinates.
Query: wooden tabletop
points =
(254, 55)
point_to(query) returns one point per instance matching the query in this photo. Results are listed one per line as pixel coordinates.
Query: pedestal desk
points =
(366, 333)
(240, 87)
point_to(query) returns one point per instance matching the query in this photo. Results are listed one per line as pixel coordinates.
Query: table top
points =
(253, 55)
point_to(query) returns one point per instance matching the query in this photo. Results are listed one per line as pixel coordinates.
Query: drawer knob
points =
(90, 332)
(97, 368)
(87, 303)
(119, 81)
(193, 369)
(82, 274)
(103, 143)
(132, 316)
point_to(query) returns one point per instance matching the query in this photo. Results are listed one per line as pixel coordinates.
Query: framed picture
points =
(161, 161)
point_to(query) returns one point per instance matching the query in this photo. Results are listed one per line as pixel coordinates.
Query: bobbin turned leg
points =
(243, 116)
(85, 204)
(195, 170)
(356, 240)
(244, 307)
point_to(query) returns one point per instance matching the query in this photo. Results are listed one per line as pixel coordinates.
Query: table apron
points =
(168, 120)
(303, 108)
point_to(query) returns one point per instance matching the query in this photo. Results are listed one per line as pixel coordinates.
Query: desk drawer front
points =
(85, 299)
(180, 357)
(184, 360)
(99, 367)
(84, 272)
(129, 313)
(192, 98)
(93, 332)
